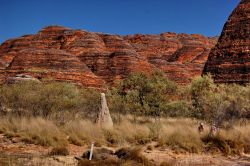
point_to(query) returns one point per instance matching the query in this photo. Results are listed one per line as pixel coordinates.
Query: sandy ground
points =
(159, 156)
(13, 152)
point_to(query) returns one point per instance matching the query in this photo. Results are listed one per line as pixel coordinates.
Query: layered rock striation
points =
(229, 61)
(180, 56)
(95, 59)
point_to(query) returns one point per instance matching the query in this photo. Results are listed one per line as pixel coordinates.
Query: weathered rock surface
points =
(229, 61)
(180, 56)
(95, 59)
(21, 78)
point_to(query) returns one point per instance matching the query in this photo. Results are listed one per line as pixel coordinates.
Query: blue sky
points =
(207, 17)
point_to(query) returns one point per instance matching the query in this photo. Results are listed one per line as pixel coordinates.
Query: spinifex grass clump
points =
(230, 142)
(61, 151)
(33, 130)
(178, 134)
(82, 132)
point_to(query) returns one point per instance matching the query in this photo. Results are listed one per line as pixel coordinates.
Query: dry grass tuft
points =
(133, 154)
(33, 130)
(61, 151)
(133, 132)
(243, 136)
(82, 132)
(179, 134)
(231, 141)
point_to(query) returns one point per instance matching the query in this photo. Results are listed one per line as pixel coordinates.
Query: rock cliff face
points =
(229, 61)
(95, 59)
(180, 56)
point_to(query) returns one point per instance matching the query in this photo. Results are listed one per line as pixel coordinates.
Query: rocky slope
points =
(180, 56)
(95, 59)
(229, 61)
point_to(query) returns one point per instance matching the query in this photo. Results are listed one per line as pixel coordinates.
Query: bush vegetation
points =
(56, 114)
(143, 95)
(48, 100)
(202, 99)
(139, 95)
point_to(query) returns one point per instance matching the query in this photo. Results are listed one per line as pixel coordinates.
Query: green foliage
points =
(140, 94)
(227, 103)
(47, 99)
(155, 95)
(219, 103)
(177, 109)
(199, 89)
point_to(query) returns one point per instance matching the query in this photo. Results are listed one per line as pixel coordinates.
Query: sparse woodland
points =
(145, 109)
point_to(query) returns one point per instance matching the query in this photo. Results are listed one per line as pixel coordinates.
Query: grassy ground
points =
(181, 135)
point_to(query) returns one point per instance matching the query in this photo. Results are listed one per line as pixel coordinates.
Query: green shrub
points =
(140, 94)
(177, 109)
(200, 88)
(49, 100)
(219, 103)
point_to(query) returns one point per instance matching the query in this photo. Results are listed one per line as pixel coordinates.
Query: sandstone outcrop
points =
(21, 78)
(95, 59)
(180, 56)
(229, 61)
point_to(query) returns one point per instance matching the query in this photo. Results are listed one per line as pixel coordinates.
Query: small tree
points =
(145, 95)
(199, 89)
(218, 103)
